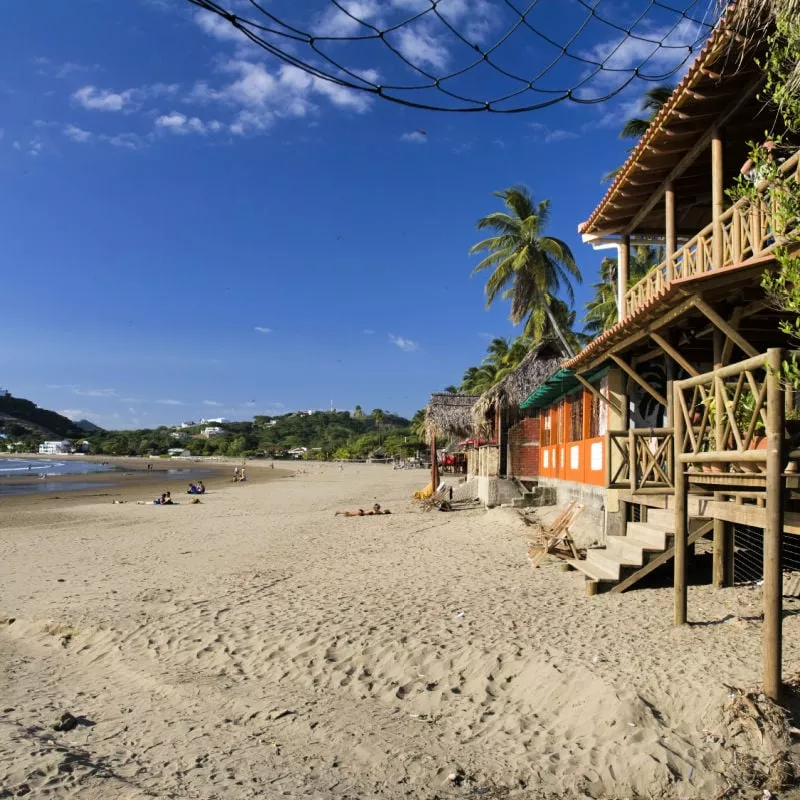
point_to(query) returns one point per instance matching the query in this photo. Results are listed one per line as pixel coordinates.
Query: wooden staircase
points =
(625, 560)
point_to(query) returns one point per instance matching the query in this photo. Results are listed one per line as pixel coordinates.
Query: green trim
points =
(558, 386)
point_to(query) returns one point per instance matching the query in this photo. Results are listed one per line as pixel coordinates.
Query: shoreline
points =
(129, 480)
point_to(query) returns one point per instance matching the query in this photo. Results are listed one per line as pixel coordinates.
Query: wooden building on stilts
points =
(672, 425)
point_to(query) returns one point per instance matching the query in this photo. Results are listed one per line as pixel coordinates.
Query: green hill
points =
(20, 418)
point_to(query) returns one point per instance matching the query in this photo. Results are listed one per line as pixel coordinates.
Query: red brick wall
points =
(523, 448)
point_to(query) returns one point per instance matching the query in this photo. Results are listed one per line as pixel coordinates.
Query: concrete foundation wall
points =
(496, 491)
(599, 518)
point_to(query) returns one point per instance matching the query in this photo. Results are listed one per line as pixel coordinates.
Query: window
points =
(546, 428)
(594, 415)
(576, 418)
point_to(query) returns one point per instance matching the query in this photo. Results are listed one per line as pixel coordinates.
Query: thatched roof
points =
(447, 416)
(538, 365)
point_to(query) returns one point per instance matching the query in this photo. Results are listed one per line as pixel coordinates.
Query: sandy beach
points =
(257, 646)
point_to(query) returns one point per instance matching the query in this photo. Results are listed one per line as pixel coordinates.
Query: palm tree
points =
(527, 267)
(477, 380)
(653, 101)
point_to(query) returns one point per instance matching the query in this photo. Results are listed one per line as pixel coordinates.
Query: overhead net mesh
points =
(478, 55)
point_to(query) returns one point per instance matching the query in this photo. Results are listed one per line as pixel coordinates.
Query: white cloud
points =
(626, 53)
(219, 28)
(176, 122)
(262, 330)
(336, 22)
(77, 134)
(129, 141)
(95, 392)
(260, 96)
(549, 135)
(94, 99)
(415, 137)
(170, 402)
(35, 147)
(404, 344)
(211, 403)
(422, 47)
(74, 413)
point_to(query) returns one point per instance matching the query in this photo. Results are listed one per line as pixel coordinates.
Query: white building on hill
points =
(212, 431)
(55, 448)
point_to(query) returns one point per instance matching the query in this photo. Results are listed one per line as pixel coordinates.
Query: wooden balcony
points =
(745, 231)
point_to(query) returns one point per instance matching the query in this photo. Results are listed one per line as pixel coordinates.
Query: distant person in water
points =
(375, 511)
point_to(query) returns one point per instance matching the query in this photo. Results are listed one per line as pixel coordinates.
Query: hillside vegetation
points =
(325, 434)
(23, 420)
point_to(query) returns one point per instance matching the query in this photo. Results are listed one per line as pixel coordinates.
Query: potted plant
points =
(709, 442)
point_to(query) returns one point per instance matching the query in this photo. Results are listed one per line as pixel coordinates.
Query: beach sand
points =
(257, 646)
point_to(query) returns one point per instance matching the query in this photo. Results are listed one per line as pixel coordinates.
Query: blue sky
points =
(187, 230)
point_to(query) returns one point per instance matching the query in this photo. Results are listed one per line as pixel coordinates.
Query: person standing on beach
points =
(236, 473)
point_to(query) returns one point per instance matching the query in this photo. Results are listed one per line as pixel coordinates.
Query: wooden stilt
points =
(721, 528)
(434, 465)
(623, 260)
(681, 518)
(717, 198)
(773, 529)
(671, 240)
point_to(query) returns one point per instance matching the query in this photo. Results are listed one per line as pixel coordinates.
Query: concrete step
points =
(661, 518)
(626, 551)
(601, 559)
(696, 506)
(655, 537)
(593, 571)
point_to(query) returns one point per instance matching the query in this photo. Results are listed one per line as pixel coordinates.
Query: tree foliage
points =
(527, 267)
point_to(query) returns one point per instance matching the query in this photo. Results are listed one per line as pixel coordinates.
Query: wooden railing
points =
(745, 230)
(641, 460)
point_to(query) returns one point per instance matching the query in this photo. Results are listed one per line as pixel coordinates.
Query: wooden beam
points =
(598, 394)
(669, 224)
(717, 197)
(691, 156)
(635, 376)
(727, 347)
(673, 353)
(717, 320)
(750, 514)
(623, 261)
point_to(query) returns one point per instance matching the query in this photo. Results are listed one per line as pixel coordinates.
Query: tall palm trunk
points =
(568, 351)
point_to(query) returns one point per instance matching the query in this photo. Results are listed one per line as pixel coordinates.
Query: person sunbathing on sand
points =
(373, 512)
(164, 500)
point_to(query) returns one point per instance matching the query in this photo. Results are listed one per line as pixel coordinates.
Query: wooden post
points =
(623, 262)
(670, 240)
(721, 528)
(434, 465)
(773, 529)
(717, 198)
(632, 459)
(681, 518)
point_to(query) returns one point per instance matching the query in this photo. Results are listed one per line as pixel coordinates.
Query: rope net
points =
(478, 55)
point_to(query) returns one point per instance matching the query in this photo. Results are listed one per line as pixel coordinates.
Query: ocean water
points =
(20, 467)
(31, 475)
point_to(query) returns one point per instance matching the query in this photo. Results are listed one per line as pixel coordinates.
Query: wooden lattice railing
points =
(724, 418)
(641, 460)
(745, 230)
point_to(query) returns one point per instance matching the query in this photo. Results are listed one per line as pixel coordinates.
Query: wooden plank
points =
(751, 514)
(725, 327)
(673, 353)
(693, 154)
(659, 561)
(598, 394)
(679, 604)
(634, 375)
